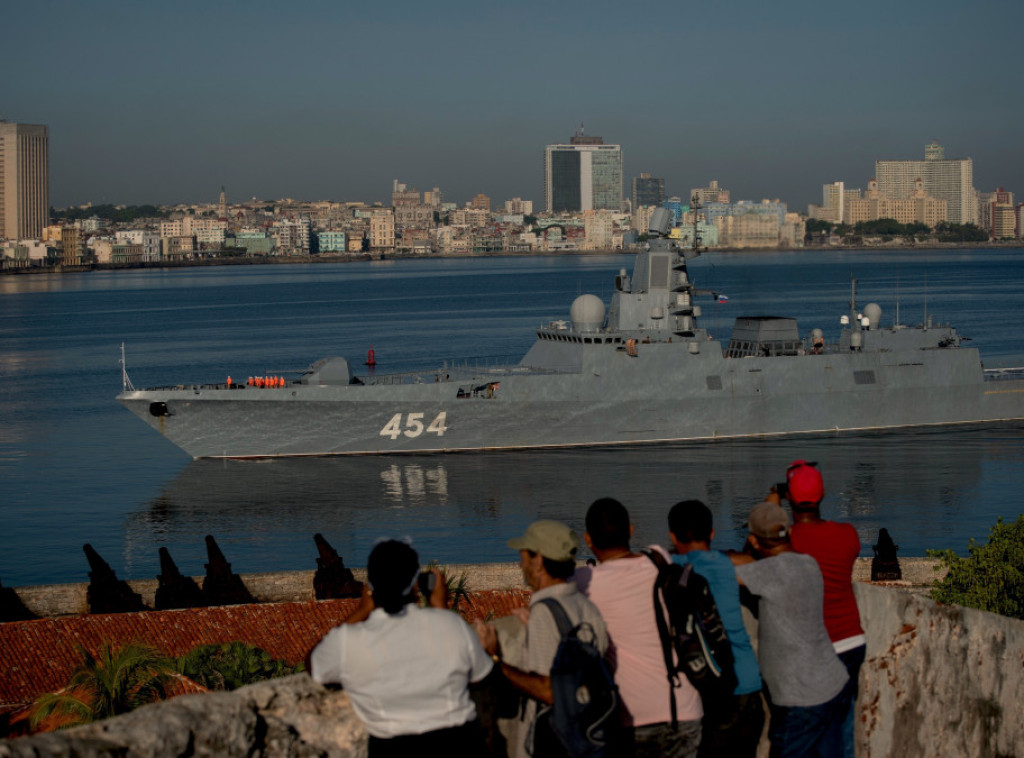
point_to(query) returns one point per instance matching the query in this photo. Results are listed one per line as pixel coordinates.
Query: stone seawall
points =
(51, 600)
(938, 681)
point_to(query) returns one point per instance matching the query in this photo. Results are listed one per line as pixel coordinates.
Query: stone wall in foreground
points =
(292, 716)
(939, 680)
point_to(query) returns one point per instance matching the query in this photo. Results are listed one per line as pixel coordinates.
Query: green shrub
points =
(232, 665)
(991, 578)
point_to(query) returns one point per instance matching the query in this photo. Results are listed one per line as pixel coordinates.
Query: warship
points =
(640, 371)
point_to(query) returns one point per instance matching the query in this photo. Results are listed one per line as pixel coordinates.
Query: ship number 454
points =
(413, 426)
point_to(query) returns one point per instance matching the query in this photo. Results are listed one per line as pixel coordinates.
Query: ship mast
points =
(126, 383)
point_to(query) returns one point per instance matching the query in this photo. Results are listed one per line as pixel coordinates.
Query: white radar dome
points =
(873, 313)
(587, 313)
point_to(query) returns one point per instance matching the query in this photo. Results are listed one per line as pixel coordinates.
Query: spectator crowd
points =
(421, 678)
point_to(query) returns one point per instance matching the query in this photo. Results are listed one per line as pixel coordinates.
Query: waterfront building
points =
(24, 180)
(584, 175)
(598, 229)
(293, 236)
(832, 204)
(996, 214)
(469, 217)
(209, 232)
(648, 190)
(382, 230)
(750, 224)
(641, 219)
(72, 245)
(434, 199)
(918, 207)
(332, 242)
(677, 207)
(413, 215)
(949, 180)
(710, 194)
(402, 195)
(519, 206)
(23, 253)
(148, 243)
(177, 248)
(481, 203)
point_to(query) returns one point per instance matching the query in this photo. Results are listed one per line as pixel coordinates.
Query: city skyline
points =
(165, 104)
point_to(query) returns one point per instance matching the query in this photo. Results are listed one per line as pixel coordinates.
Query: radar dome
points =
(587, 313)
(873, 312)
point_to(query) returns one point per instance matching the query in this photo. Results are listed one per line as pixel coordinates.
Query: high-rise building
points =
(24, 180)
(584, 175)
(648, 190)
(949, 180)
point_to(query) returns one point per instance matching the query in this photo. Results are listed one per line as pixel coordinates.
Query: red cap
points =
(804, 482)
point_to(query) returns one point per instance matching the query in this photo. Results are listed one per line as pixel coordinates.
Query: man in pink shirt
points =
(834, 546)
(622, 588)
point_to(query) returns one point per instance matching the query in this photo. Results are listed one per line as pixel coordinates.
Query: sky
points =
(163, 103)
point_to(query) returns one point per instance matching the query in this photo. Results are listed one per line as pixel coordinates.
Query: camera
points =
(426, 582)
(782, 489)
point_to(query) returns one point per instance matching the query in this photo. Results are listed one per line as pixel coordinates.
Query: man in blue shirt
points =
(735, 730)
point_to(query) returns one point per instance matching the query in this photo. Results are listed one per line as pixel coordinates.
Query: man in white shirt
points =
(406, 669)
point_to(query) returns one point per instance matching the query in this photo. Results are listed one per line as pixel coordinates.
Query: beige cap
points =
(552, 539)
(768, 520)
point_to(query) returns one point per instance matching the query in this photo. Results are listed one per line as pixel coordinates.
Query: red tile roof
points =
(39, 656)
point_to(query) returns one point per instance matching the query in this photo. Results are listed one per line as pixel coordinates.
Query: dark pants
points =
(798, 731)
(838, 740)
(465, 740)
(733, 729)
(657, 741)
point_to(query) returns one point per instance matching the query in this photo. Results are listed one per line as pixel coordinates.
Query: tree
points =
(231, 665)
(991, 578)
(817, 225)
(111, 683)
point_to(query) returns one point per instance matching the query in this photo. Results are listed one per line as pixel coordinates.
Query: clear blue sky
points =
(165, 102)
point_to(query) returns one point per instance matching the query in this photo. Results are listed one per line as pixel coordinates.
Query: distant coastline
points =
(363, 257)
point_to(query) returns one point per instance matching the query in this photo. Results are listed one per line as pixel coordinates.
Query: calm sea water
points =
(75, 467)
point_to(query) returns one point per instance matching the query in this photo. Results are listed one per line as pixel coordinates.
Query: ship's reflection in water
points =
(930, 489)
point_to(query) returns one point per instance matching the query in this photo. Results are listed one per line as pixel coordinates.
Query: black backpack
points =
(693, 637)
(585, 712)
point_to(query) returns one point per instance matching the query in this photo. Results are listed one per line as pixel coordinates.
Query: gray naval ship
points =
(640, 371)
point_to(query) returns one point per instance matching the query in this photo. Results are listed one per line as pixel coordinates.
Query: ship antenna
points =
(897, 300)
(853, 302)
(126, 383)
(926, 301)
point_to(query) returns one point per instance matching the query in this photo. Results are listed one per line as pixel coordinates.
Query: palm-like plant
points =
(108, 684)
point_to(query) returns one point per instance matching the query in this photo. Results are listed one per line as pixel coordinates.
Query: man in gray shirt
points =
(803, 675)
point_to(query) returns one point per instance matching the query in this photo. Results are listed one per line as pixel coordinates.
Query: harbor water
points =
(77, 468)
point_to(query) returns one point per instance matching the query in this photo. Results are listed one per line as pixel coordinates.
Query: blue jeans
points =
(798, 731)
(838, 740)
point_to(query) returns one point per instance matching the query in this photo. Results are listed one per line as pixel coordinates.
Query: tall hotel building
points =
(949, 180)
(24, 180)
(585, 175)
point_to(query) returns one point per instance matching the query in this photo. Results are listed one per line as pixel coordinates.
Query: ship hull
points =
(667, 392)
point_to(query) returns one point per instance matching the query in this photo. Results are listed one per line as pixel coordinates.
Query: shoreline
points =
(368, 257)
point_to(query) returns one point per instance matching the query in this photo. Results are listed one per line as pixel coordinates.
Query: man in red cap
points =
(835, 546)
